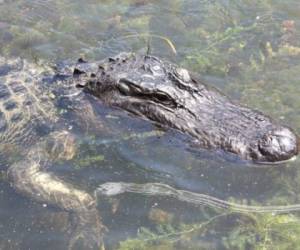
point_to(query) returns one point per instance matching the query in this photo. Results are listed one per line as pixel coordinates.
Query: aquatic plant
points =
(266, 231)
(89, 153)
(246, 231)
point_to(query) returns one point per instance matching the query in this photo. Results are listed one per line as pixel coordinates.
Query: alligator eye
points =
(164, 99)
(161, 97)
(123, 88)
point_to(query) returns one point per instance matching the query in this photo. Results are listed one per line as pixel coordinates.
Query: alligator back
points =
(25, 103)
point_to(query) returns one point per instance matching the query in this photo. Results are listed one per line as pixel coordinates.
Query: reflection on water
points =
(248, 49)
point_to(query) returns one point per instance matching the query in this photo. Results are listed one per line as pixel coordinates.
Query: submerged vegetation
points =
(242, 231)
(248, 49)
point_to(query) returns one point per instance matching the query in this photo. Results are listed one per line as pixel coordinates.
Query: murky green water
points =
(248, 49)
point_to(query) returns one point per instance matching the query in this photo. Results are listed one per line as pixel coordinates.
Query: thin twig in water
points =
(167, 40)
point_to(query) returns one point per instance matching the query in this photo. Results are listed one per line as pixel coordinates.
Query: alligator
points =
(172, 97)
(34, 135)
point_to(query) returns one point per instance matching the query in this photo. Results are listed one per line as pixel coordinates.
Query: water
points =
(248, 49)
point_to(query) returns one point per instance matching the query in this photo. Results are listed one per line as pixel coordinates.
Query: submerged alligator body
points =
(33, 137)
(172, 97)
(143, 85)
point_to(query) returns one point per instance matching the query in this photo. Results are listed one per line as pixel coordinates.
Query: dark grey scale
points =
(5, 69)
(28, 101)
(17, 117)
(43, 99)
(4, 92)
(10, 105)
(18, 88)
(3, 122)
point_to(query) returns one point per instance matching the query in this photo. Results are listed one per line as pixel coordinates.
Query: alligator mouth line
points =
(293, 158)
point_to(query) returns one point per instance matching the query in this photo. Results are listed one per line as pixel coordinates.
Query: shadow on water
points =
(248, 49)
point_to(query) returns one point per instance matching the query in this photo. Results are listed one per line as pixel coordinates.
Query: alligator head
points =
(172, 97)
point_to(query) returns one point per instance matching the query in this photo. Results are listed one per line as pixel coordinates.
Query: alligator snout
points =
(278, 145)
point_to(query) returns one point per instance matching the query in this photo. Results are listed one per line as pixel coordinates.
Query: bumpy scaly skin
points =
(171, 96)
(22, 103)
(26, 107)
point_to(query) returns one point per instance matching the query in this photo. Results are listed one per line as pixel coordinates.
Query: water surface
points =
(250, 50)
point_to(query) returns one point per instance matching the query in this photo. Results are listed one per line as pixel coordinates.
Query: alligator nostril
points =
(278, 145)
